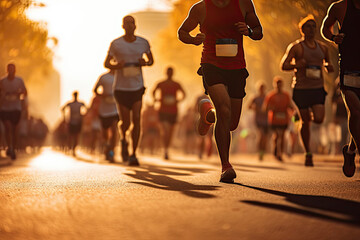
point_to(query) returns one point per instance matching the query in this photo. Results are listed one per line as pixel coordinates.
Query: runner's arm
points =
(96, 87)
(189, 24)
(253, 22)
(154, 93)
(108, 64)
(288, 57)
(182, 92)
(150, 58)
(329, 67)
(328, 24)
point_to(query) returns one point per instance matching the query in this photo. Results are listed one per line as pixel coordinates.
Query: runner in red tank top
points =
(168, 111)
(223, 23)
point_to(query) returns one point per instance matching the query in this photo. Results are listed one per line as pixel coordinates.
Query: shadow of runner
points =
(348, 208)
(157, 177)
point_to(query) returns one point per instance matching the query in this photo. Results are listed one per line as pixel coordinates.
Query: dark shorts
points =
(343, 87)
(11, 116)
(75, 128)
(306, 98)
(262, 127)
(234, 80)
(168, 117)
(128, 98)
(278, 127)
(106, 122)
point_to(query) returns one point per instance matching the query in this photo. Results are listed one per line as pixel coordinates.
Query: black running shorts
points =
(306, 98)
(128, 98)
(106, 122)
(11, 116)
(75, 128)
(234, 79)
(343, 87)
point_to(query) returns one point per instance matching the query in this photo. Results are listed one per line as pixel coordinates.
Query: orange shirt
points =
(168, 98)
(278, 105)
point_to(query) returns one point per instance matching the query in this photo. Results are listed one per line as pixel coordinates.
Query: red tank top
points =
(219, 23)
(168, 96)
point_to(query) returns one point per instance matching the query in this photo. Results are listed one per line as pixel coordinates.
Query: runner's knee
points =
(223, 112)
(125, 125)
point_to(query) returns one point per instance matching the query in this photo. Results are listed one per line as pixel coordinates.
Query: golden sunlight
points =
(84, 30)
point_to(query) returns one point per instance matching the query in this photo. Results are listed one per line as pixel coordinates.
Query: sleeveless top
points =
(168, 101)
(314, 58)
(350, 48)
(219, 23)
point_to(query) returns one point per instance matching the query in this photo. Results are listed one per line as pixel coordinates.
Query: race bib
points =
(352, 79)
(169, 100)
(313, 72)
(226, 47)
(131, 71)
(280, 115)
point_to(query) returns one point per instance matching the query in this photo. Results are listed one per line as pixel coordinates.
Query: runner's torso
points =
(75, 112)
(219, 24)
(310, 77)
(168, 96)
(130, 77)
(10, 94)
(279, 103)
(350, 48)
(260, 115)
(107, 105)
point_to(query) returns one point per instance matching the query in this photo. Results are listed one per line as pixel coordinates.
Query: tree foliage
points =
(25, 42)
(279, 19)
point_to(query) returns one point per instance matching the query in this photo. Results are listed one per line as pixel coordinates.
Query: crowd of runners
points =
(116, 115)
(19, 131)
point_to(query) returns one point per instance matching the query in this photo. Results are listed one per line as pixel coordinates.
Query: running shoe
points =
(124, 151)
(228, 176)
(349, 162)
(309, 160)
(203, 125)
(133, 161)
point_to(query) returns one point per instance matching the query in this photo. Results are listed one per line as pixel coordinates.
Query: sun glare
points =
(84, 30)
(53, 161)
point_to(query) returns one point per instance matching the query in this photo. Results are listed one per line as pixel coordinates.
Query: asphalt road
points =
(55, 196)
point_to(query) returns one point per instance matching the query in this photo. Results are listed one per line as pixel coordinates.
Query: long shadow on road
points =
(159, 178)
(349, 209)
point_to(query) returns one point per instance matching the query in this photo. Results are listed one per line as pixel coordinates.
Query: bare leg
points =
(305, 128)
(136, 119)
(228, 113)
(353, 104)
(125, 120)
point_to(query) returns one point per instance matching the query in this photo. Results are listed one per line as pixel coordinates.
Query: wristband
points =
(250, 31)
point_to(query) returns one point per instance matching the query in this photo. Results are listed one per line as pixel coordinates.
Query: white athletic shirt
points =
(10, 94)
(75, 111)
(107, 106)
(130, 77)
